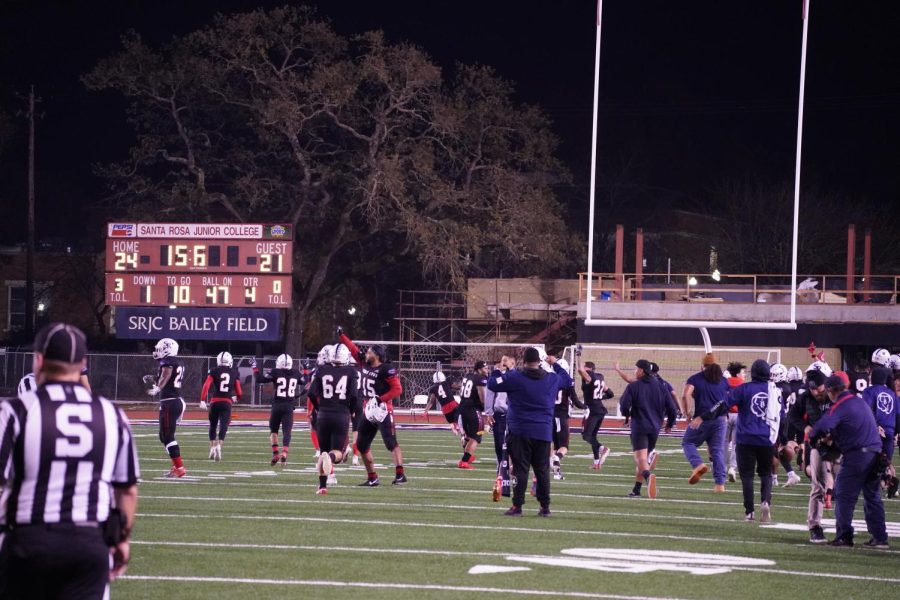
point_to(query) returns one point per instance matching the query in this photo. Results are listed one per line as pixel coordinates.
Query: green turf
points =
(266, 524)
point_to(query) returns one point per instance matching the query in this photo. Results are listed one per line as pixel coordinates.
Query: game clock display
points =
(141, 255)
(250, 291)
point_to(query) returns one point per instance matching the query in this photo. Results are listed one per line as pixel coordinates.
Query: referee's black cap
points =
(62, 342)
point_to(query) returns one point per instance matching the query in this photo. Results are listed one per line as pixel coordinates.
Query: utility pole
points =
(29, 251)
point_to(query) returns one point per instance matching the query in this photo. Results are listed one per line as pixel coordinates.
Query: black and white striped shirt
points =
(62, 451)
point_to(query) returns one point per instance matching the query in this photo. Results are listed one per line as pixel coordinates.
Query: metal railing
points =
(739, 288)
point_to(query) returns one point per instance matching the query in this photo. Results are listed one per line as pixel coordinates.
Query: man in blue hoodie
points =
(851, 426)
(531, 396)
(759, 406)
(645, 403)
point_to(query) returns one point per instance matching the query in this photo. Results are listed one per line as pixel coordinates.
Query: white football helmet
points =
(341, 355)
(820, 365)
(439, 377)
(375, 411)
(544, 364)
(284, 361)
(27, 384)
(778, 373)
(881, 357)
(894, 363)
(165, 347)
(224, 359)
(795, 374)
(325, 355)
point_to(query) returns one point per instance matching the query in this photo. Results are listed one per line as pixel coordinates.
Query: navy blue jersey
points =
(172, 386)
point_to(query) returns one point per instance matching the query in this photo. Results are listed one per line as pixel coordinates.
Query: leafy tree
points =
(365, 146)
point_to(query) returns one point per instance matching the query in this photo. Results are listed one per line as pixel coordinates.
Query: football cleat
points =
(774, 480)
(515, 511)
(282, 459)
(399, 480)
(604, 452)
(322, 492)
(634, 494)
(176, 472)
(595, 466)
(218, 453)
(274, 460)
(651, 487)
(749, 517)
(370, 483)
(793, 479)
(212, 453)
(558, 476)
(355, 462)
(464, 465)
(332, 480)
(544, 511)
(732, 476)
(325, 463)
(877, 544)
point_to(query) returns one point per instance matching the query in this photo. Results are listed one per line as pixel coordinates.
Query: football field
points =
(240, 529)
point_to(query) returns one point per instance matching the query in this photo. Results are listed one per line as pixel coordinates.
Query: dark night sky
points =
(692, 92)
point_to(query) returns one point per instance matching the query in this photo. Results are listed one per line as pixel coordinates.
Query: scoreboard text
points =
(211, 265)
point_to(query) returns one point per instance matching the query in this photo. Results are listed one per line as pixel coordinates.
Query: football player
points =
(471, 409)
(225, 383)
(288, 389)
(441, 394)
(594, 389)
(379, 387)
(565, 398)
(335, 388)
(785, 447)
(171, 404)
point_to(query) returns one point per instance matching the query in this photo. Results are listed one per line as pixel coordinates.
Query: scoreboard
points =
(199, 265)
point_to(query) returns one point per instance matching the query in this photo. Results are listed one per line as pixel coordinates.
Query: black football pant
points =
(282, 416)
(525, 454)
(60, 561)
(758, 458)
(219, 418)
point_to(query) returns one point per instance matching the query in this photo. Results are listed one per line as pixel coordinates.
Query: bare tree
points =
(363, 145)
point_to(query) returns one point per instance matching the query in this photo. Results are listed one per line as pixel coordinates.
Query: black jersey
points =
(468, 391)
(444, 394)
(376, 381)
(224, 381)
(287, 384)
(859, 381)
(592, 390)
(172, 387)
(565, 398)
(335, 389)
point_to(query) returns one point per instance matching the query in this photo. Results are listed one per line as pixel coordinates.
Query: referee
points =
(67, 458)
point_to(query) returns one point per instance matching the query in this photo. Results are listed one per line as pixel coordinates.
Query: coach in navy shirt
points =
(852, 427)
(531, 396)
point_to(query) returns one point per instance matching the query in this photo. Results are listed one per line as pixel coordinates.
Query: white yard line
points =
(443, 526)
(389, 586)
